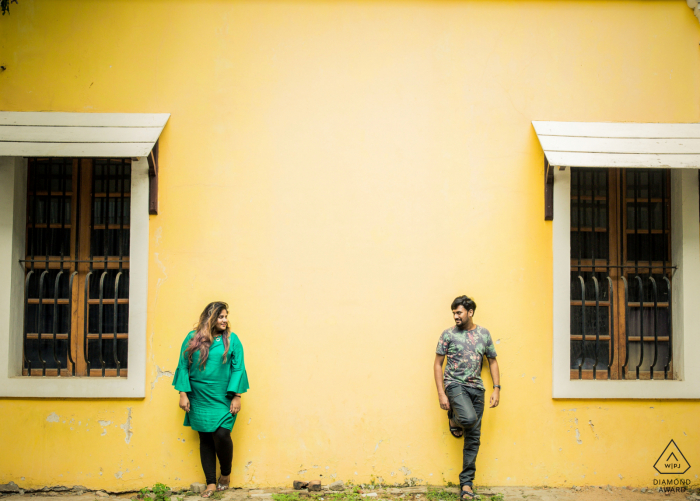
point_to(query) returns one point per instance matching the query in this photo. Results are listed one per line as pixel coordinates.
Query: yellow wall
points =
(339, 172)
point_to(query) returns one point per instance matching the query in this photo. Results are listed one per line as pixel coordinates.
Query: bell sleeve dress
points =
(210, 390)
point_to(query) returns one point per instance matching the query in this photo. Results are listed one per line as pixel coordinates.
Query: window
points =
(76, 297)
(90, 220)
(621, 274)
(682, 269)
(17, 235)
(623, 202)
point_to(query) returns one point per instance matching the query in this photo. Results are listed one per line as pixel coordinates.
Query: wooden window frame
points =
(618, 254)
(82, 261)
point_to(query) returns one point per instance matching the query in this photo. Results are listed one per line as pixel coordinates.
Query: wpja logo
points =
(672, 462)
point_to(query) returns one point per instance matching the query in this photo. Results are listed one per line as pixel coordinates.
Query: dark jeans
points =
(467, 406)
(211, 445)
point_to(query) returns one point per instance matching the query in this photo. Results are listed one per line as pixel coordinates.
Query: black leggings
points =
(211, 445)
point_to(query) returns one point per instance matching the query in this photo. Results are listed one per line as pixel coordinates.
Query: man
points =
(465, 344)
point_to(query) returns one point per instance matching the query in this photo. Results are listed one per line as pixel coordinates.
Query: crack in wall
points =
(159, 374)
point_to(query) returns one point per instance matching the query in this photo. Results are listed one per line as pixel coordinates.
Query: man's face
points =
(462, 316)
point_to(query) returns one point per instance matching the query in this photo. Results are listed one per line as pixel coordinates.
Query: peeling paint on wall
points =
(52, 418)
(127, 427)
(104, 424)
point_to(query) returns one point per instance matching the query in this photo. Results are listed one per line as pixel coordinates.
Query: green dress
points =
(211, 389)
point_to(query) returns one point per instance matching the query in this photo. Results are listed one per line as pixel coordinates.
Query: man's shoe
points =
(468, 495)
(454, 429)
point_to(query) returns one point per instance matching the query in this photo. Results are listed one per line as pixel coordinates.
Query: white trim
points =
(58, 119)
(686, 292)
(30, 133)
(79, 134)
(616, 145)
(620, 129)
(645, 145)
(13, 193)
(630, 160)
(12, 231)
(40, 149)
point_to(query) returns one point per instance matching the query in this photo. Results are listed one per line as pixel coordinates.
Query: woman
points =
(211, 377)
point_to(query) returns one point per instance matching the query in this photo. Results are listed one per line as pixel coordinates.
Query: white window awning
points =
(603, 144)
(54, 134)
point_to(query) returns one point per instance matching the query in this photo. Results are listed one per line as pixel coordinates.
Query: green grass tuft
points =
(294, 496)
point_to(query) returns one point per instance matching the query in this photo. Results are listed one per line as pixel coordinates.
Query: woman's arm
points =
(181, 378)
(238, 383)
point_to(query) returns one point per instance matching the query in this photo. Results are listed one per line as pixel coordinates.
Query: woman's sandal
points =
(454, 429)
(208, 493)
(222, 487)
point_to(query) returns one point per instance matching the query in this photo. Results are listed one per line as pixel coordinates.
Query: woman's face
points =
(222, 320)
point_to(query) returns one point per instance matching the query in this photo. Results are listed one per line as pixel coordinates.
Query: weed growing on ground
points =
(294, 496)
(159, 492)
(441, 495)
(355, 495)
(346, 496)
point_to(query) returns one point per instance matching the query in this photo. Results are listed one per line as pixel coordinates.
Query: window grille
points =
(621, 274)
(76, 295)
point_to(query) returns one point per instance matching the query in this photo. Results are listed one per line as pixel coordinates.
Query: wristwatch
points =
(496, 386)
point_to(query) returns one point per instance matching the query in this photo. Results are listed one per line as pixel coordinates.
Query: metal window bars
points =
(54, 335)
(641, 331)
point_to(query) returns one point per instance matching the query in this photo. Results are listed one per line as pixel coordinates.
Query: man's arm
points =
(496, 377)
(437, 371)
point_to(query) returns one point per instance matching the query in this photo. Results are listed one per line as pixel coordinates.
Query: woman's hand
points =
(236, 405)
(184, 402)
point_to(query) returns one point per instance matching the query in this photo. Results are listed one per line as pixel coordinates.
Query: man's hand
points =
(495, 397)
(444, 402)
(184, 402)
(236, 405)
(437, 372)
(496, 378)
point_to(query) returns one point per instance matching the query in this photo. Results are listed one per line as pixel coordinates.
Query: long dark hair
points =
(204, 333)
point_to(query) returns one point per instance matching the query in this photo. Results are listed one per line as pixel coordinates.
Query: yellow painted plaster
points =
(338, 172)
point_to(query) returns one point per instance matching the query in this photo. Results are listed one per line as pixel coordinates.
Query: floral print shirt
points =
(465, 351)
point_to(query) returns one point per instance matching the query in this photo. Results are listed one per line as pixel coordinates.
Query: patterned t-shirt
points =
(465, 351)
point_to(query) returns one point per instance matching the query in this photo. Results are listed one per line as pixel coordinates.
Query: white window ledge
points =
(685, 243)
(13, 189)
